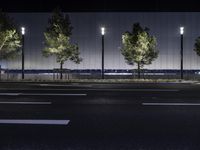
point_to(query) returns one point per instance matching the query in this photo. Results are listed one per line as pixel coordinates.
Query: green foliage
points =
(59, 23)
(139, 46)
(197, 46)
(60, 47)
(57, 39)
(10, 39)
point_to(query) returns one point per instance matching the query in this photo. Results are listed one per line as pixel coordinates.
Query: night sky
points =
(99, 5)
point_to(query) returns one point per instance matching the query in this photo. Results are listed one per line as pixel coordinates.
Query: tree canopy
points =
(57, 39)
(197, 46)
(60, 47)
(10, 39)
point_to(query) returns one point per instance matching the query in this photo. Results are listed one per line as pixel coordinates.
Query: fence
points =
(54, 74)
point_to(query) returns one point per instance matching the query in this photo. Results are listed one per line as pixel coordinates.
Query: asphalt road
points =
(101, 116)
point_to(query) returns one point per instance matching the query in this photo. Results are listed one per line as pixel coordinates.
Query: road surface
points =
(99, 116)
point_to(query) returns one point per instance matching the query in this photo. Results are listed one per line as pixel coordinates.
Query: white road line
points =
(51, 94)
(171, 104)
(28, 103)
(10, 94)
(64, 85)
(150, 90)
(99, 89)
(40, 94)
(51, 84)
(35, 122)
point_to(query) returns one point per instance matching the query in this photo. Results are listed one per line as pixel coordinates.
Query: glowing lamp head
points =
(102, 31)
(181, 30)
(23, 30)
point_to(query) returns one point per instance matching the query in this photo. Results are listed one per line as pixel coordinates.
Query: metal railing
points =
(54, 74)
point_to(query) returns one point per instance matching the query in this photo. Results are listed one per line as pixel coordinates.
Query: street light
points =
(23, 33)
(181, 33)
(102, 65)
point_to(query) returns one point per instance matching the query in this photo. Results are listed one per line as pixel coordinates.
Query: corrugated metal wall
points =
(165, 26)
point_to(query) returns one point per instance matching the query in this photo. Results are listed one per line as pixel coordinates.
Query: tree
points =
(197, 46)
(139, 47)
(10, 39)
(57, 40)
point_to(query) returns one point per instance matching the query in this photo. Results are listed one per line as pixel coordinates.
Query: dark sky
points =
(99, 5)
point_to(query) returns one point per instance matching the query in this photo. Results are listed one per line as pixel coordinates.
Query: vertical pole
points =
(102, 70)
(181, 56)
(22, 57)
(53, 74)
(138, 70)
(0, 72)
(61, 70)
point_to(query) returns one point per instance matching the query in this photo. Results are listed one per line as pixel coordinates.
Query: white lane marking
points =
(40, 94)
(99, 89)
(9, 94)
(150, 90)
(51, 94)
(28, 103)
(171, 104)
(64, 85)
(36, 122)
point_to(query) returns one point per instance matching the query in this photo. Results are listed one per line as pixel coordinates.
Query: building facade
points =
(86, 33)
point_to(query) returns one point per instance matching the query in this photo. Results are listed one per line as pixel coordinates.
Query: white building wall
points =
(86, 32)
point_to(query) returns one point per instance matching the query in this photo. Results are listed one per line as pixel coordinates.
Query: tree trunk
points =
(61, 70)
(138, 70)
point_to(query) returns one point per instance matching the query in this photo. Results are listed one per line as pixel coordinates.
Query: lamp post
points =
(23, 33)
(102, 65)
(0, 72)
(181, 33)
